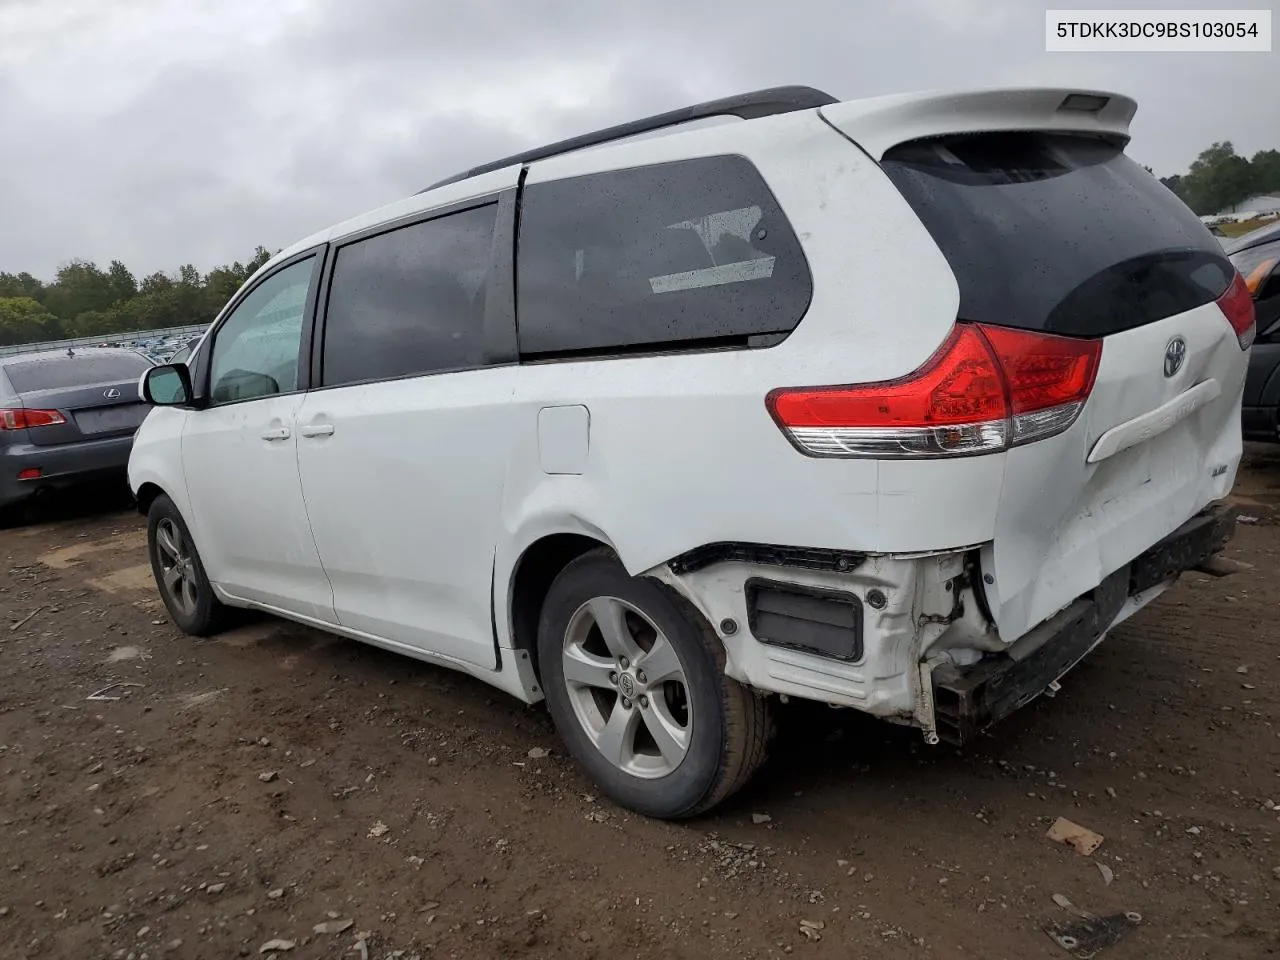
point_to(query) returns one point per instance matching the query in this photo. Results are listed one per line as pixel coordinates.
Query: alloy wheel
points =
(627, 687)
(177, 567)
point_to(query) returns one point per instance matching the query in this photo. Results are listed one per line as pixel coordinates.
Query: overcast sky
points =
(156, 133)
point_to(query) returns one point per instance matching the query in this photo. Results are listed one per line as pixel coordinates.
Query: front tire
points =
(184, 587)
(634, 680)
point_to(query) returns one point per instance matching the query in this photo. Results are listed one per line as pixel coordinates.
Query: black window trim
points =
(203, 371)
(662, 348)
(499, 334)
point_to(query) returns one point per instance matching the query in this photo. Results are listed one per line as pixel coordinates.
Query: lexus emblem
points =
(113, 392)
(1174, 356)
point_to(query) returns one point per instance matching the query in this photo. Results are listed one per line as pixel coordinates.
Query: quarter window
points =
(688, 254)
(255, 351)
(410, 301)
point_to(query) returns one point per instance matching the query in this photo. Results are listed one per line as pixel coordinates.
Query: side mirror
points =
(168, 385)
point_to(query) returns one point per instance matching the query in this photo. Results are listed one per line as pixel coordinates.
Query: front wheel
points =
(180, 577)
(634, 680)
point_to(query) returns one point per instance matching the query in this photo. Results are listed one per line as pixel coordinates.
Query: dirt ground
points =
(248, 788)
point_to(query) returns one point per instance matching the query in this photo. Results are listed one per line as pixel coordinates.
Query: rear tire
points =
(634, 680)
(19, 514)
(184, 587)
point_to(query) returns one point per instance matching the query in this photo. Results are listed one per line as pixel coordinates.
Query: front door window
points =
(255, 352)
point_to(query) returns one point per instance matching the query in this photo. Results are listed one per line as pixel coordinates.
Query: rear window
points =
(83, 369)
(1058, 233)
(691, 254)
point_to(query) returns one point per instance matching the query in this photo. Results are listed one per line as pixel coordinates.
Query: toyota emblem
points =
(1175, 354)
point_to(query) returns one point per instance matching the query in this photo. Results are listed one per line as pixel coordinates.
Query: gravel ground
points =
(279, 784)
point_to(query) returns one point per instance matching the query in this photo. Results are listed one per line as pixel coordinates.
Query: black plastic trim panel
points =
(1198, 538)
(825, 623)
(806, 558)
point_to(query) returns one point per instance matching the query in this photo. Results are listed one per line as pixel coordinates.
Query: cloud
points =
(162, 131)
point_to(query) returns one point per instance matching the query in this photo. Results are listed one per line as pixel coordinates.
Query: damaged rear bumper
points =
(968, 699)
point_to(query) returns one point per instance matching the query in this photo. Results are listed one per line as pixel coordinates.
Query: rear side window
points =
(83, 369)
(411, 301)
(690, 254)
(1058, 233)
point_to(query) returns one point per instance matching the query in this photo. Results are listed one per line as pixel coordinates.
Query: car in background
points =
(66, 416)
(1257, 256)
(183, 353)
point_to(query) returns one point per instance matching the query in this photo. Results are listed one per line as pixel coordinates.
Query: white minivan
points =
(896, 404)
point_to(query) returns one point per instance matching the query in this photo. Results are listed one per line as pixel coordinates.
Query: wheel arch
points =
(148, 493)
(531, 577)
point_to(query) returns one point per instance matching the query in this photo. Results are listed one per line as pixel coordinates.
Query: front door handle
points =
(317, 430)
(275, 433)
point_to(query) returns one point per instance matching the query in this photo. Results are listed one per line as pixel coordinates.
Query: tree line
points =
(1219, 178)
(84, 300)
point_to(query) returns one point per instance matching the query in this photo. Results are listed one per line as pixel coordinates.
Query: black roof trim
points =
(747, 106)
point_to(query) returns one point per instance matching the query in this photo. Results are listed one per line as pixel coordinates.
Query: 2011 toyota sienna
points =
(896, 404)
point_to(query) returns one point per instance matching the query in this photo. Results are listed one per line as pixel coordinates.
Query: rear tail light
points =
(986, 389)
(1237, 305)
(20, 418)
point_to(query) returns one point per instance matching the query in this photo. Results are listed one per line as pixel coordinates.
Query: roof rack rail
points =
(747, 106)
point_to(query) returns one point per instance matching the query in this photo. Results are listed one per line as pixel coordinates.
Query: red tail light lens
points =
(1049, 379)
(987, 388)
(20, 418)
(1237, 306)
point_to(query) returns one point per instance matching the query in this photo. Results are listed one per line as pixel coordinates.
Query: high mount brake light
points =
(20, 418)
(986, 389)
(1236, 305)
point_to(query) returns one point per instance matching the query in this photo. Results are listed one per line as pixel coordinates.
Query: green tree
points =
(222, 283)
(260, 256)
(1174, 183)
(1266, 171)
(78, 287)
(155, 283)
(84, 301)
(123, 286)
(20, 285)
(25, 320)
(190, 302)
(1218, 179)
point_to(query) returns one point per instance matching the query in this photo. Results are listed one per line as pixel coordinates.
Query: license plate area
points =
(122, 418)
